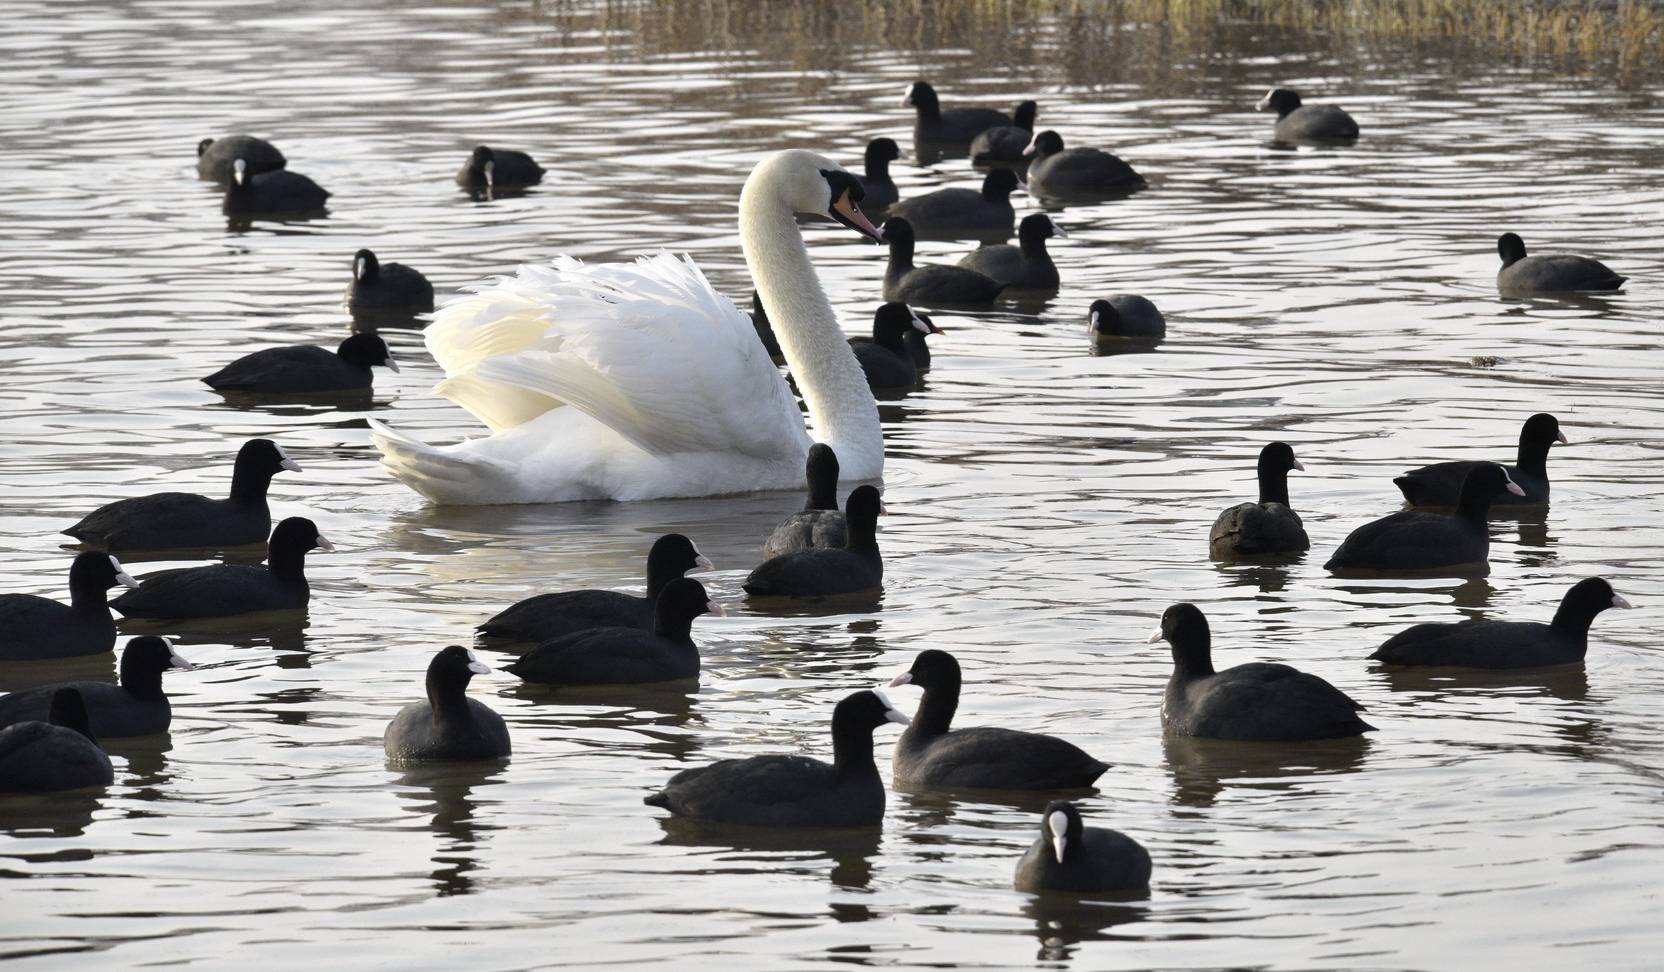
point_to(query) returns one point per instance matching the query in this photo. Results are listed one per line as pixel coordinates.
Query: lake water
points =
(1046, 503)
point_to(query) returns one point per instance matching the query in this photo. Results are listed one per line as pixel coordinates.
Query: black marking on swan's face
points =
(845, 192)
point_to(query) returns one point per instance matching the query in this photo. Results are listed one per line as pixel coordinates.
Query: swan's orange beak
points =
(846, 212)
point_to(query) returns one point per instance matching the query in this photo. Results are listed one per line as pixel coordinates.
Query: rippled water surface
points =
(1046, 502)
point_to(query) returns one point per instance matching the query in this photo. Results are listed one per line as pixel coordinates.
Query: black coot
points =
(881, 192)
(1122, 316)
(1076, 173)
(821, 572)
(176, 521)
(793, 791)
(820, 523)
(216, 156)
(549, 616)
(930, 753)
(1522, 276)
(1415, 540)
(627, 656)
(136, 707)
(1507, 644)
(1440, 483)
(1258, 701)
(1306, 123)
(953, 127)
(386, 288)
(933, 284)
(49, 757)
(1268, 527)
(449, 725)
(498, 170)
(1073, 858)
(765, 330)
(1026, 266)
(887, 358)
(221, 590)
(306, 368)
(957, 213)
(33, 627)
(278, 192)
(1005, 143)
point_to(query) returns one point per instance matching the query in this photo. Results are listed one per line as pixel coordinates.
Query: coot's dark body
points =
(793, 791)
(931, 753)
(1307, 123)
(222, 590)
(821, 572)
(33, 628)
(448, 725)
(1440, 484)
(386, 288)
(278, 192)
(1524, 276)
(1507, 644)
(498, 170)
(1026, 266)
(306, 368)
(1266, 528)
(955, 127)
(626, 656)
(1259, 701)
(1414, 540)
(1070, 857)
(880, 189)
(175, 521)
(1004, 144)
(886, 358)
(51, 757)
(930, 285)
(820, 523)
(215, 157)
(136, 707)
(546, 617)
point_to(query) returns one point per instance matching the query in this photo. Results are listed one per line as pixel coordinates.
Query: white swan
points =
(639, 381)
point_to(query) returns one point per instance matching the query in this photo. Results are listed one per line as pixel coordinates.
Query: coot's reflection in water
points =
(1062, 921)
(1203, 769)
(445, 792)
(845, 855)
(55, 815)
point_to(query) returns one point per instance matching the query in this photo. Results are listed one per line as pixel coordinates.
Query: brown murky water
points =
(1046, 502)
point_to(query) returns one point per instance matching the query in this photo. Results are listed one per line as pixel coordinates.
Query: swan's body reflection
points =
(1203, 768)
(445, 790)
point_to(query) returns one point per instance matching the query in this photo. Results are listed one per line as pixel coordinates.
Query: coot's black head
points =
(1046, 143)
(1061, 826)
(454, 667)
(820, 472)
(1278, 458)
(1185, 630)
(882, 151)
(95, 572)
(202, 147)
(482, 162)
(1103, 318)
(1590, 597)
(1023, 117)
(922, 96)
(263, 457)
(69, 710)
(1280, 100)
(365, 266)
(1541, 431)
(1036, 227)
(1485, 481)
(999, 184)
(147, 657)
(685, 599)
(932, 669)
(898, 232)
(845, 193)
(297, 534)
(758, 314)
(367, 351)
(892, 321)
(673, 555)
(1511, 248)
(862, 507)
(863, 712)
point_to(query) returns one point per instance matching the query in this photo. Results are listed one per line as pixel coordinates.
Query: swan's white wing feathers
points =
(649, 349)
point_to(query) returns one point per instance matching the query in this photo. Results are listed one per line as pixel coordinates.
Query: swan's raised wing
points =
(647, 348)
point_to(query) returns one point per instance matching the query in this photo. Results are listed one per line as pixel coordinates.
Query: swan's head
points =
(810, 183)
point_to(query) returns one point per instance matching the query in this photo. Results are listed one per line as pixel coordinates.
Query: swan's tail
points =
(444, 474)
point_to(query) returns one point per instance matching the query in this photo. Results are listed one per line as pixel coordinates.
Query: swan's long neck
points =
(840, 404)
